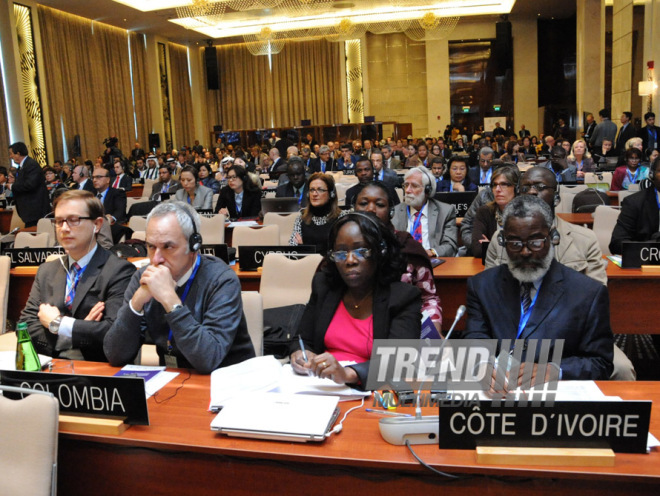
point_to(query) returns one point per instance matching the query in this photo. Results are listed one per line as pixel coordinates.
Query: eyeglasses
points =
(414, 186)
(360, 254)
(99, 177)
(71, 221)
(231, 178)
(502, 185)
(531, 244)
(539, 187)
(317, 191)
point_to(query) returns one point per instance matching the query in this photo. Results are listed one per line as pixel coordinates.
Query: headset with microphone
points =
(195, 239)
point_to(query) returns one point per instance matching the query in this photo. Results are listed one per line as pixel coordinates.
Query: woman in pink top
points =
(356, 297)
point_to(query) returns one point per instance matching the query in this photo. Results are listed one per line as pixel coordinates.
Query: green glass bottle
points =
(26, 356)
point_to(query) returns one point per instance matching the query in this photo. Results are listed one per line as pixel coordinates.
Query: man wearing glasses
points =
(75, 299)
(483, 173)
(532, 296)
(578, 246)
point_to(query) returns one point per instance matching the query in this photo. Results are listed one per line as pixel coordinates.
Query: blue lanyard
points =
(417, 221)
(632, 178)
(183, 297)
(657, 198)
(524, 317)
(74, 282)
(652, 132)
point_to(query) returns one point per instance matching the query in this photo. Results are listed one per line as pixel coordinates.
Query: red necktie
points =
(116, 183)
(417, 234)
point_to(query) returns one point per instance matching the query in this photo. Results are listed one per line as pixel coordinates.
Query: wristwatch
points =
(175, 307)
(54, 325)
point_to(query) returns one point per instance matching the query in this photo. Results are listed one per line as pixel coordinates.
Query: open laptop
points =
(278, 417)
(280, 205)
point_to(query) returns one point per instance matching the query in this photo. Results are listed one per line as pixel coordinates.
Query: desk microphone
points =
(417, 429)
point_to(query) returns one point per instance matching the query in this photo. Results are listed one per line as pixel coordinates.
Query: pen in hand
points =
(302, 348)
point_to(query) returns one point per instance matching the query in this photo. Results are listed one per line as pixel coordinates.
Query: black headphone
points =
(555, 237)
(382, 246)
(195, 239)
(428, 189)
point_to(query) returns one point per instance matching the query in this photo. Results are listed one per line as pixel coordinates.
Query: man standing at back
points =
(74, 300)
(29, 189)
(605, 130)
(114, 203)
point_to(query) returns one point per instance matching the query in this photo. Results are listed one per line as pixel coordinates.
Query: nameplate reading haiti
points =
(634, 254)
(622, 426)
(219, 251)
(252, 257)
(26, 257)
(91, 395)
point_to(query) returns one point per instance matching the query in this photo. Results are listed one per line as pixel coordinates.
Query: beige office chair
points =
(342, 188)
(285, 223)
(141, 235)
(16, 221)
(47, 226)
(592, 178)
(138, 223)
(604, 221)
(624, 194)
(255, 236)
(212, 229)
(148, 188)
(28, 442)
(254, 315)
(32, 240)
(287, 282)
(5, 265)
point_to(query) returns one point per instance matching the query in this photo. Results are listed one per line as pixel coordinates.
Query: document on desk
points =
(155, 378)
(8, 360)
(266, 373)
(244, 223)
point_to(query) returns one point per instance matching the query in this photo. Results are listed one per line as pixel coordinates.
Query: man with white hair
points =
(430, 222)
(188, 302)
(533, 296)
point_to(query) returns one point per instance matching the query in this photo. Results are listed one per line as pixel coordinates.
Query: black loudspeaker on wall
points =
(76, 146)
(212, 76)
(503, 48)
(154, 141)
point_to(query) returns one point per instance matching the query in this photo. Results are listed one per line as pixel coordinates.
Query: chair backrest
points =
(28, 442)
(138, 223)
(285, 223)
(287, 282)
(604, 221)
(5, 265)
(254, 315)
(212, 229)
(47, 226)
(148, 187)
(592, 178)
(141, 235)
(342, 188)
(624, 193)
(16, 221)
(255, 236)
(32, 240)
(565, 205)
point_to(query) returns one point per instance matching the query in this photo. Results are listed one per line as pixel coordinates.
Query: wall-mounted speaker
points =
(154, 141)
(212, 74)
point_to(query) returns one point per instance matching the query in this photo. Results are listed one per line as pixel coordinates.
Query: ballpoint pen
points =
(302, 348)
(385, 412)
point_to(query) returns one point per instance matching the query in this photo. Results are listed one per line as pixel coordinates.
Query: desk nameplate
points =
(25, 257)
(634, 254)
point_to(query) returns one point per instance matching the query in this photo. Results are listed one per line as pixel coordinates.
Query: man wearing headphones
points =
(533, 296)
(578, 246)
(122, 180)
(430, 222)
(639, 219)
(190, 304)
(74, 300)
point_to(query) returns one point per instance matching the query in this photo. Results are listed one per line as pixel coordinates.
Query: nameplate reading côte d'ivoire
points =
(26, 257)
(622, 426)
(91, 395)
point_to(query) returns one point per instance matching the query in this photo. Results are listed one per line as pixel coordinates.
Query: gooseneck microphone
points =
(417, 429)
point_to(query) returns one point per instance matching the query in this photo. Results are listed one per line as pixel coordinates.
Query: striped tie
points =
(71, 283)
(417, 234)
(525, 296)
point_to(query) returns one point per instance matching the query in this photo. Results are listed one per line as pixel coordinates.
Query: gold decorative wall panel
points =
(165, 94)
(30, 83)
(355, 95)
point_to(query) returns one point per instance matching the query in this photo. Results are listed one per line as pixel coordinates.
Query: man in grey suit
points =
(390, 161)
(605, 130)
(388, 176)
(429, 221)
(74, 300)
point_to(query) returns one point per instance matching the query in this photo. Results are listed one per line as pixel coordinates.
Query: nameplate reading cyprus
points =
(252, 257)
(634, 254)
(26, 257)
(622, 426)
(95, 396)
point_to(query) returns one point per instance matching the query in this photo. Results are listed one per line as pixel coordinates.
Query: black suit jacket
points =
(115, 204)
(30, 192)
(286, 191)
(589, 131)
(315, 165)
(251, 203)
(523, 132)
(88, 186)
(638, 220)
(396, 315)
(569, 306)
(105, 279)
(625, 135)
(125, 183)
(644, 134)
